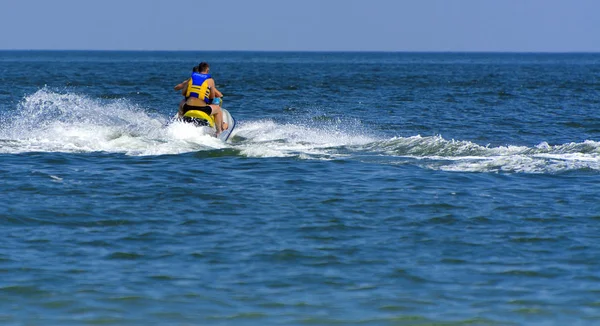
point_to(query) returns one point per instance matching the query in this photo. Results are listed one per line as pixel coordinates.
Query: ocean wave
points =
(438, 146)
(465, 156)
(266, 138)
(49, 121)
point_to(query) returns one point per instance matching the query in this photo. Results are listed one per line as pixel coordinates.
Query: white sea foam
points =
(464, 156)
(270, 139)
(48, 121)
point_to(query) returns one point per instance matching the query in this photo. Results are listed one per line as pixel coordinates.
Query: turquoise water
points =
(357, 188)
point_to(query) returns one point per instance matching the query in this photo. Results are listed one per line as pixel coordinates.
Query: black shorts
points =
(205, 109)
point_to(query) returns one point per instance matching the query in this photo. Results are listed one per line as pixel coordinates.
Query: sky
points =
(302, 25)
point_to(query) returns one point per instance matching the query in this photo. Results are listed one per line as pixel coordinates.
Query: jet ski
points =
(202, 120)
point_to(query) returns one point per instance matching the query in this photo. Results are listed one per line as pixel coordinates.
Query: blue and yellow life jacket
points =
(198, 87)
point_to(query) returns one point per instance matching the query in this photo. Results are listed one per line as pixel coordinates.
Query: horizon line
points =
(311, 51)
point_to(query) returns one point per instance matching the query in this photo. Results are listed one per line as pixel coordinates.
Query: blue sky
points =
(303, 25)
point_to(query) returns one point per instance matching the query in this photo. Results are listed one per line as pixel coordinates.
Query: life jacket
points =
(198, 87)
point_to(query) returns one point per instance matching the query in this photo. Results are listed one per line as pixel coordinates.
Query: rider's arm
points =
(218, 93)
(213, 89)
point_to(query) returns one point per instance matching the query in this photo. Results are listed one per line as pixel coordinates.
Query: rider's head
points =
(203, 67)
(195, 69)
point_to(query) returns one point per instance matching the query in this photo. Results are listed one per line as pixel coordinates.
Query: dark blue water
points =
(358, 188)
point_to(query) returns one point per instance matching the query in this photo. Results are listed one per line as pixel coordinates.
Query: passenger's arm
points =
(182, 85)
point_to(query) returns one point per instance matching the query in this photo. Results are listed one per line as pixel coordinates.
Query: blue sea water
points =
(357, 188)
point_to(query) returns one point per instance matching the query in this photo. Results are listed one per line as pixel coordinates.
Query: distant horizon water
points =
(306, 51)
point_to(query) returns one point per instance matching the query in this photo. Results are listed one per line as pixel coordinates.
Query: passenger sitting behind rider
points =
(199, 92)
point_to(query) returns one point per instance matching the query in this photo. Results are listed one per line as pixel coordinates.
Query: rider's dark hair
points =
(203, 66)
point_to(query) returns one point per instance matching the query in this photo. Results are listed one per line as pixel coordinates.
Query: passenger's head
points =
(195, 69)
(203, 67)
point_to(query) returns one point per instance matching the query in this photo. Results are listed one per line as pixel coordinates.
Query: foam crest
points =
(437, 146)
(524, 164)
(266, 138)
(464, 156)
(48, 121)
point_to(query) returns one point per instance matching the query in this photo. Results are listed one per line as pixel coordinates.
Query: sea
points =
(356, 189)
